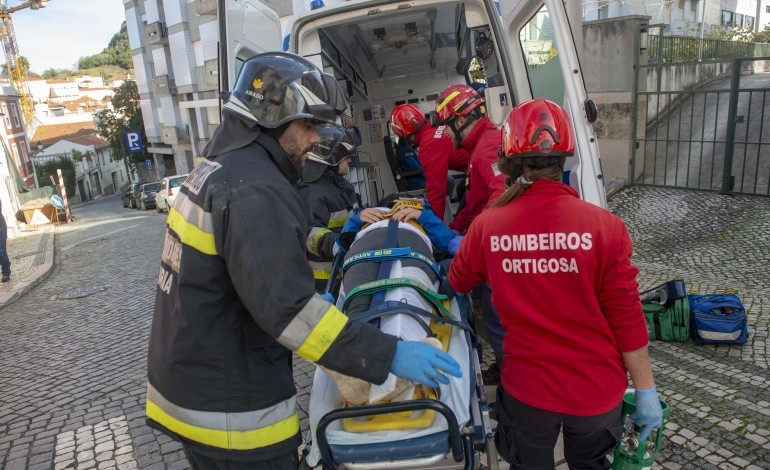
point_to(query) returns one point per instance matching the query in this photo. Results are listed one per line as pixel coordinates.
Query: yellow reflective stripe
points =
(314, 237)
(320, 274)
(337, 223)
(191, 235)
(323, 335)
(231, 440)
(447, 100)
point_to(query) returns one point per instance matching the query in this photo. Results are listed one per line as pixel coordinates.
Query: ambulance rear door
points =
(542, 62)
(246, 28)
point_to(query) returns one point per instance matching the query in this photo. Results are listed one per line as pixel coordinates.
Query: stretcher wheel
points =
(493, 460)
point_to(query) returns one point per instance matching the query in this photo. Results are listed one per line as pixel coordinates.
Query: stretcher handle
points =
(455, 440)
(336, 265)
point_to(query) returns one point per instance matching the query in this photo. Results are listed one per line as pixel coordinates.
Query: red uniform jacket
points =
(486, 182)
(566, 291)
(438, 155)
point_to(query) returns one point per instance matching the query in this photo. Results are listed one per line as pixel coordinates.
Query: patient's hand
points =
(406, 214)
(371, 215)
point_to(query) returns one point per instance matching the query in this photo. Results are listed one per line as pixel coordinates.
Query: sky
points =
(64, 31)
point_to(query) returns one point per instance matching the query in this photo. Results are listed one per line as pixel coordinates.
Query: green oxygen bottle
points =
(630, 454)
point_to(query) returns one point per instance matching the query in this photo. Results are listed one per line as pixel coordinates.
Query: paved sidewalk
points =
(32, 255)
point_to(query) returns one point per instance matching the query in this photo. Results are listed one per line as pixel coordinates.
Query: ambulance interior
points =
(385, 57)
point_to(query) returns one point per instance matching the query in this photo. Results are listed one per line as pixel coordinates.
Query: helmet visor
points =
(276, 96)
(336, 144)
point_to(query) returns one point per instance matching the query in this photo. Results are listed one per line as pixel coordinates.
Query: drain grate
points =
(79, 292)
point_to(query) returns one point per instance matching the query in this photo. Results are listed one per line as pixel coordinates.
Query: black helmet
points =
(277, 87)
(337, 143)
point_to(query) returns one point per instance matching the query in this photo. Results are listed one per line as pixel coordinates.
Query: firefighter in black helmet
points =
(235, 295)
(331, 197)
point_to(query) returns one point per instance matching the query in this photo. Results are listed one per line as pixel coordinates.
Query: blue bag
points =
(718, 318)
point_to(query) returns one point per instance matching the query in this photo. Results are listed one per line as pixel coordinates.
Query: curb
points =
(38, 276)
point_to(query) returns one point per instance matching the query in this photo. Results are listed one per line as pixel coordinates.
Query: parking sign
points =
(134, 141)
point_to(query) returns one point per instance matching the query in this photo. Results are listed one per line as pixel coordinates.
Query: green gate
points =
(699, 114)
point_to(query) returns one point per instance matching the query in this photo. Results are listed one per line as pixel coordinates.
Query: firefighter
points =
(331, 197)
(235, 294)
(566, 290)
(434, 150)
(461, 109)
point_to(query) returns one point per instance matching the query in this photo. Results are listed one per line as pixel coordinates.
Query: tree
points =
(23, 62)
(125, 115)
(48, 169)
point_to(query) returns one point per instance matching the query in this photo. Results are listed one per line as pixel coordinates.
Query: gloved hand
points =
(328, 297)
(648, 414)
(423, 363)
(454, 244)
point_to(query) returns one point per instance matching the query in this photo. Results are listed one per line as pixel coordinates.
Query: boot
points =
(6, 277)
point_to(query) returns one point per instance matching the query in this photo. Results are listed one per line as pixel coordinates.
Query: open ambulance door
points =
(246, 28)
(537, 38)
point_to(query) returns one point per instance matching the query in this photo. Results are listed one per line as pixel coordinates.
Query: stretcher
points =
(446, 428)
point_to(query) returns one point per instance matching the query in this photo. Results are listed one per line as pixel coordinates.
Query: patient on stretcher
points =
(414, 276)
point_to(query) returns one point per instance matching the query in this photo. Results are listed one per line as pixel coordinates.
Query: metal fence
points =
(677, 49)
(715, 137)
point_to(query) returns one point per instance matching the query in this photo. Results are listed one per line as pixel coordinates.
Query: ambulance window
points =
(539, 47)
(238, 64)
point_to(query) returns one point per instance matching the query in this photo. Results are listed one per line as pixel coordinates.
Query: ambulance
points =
(385, 53)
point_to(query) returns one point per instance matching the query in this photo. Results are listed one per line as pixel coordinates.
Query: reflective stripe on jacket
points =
(235, 297)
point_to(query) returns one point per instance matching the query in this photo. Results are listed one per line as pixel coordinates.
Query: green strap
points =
(432, 297)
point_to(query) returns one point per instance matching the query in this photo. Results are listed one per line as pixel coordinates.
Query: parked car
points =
(166, 194)
(129, 197)
(146, 197)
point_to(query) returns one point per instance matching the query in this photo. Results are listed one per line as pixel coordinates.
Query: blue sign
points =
(57, 202)
(149, 164)
(134, 141)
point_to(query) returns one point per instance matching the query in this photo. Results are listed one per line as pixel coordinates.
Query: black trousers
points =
(199, 461)
(526, 436)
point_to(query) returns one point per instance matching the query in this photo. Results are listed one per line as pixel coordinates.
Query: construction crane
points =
(16, 71)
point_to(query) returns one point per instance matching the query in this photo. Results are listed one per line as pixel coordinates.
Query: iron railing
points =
(675, 49)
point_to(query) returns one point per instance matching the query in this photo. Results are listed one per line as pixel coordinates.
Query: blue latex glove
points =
(328, 297)
(454, 244)
(423, 363)
(648, 414)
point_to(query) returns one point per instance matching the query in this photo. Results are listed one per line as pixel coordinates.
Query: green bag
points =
(668, 322)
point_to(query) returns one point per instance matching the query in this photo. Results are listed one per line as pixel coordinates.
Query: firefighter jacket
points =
(235, 297)
(566, 292)
(331, 199)
(438, 155)
(487, 183)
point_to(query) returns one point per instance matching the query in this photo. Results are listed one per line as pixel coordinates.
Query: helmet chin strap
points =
(458, 139)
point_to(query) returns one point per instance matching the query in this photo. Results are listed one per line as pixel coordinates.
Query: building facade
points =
(684, 17)
(15, 136)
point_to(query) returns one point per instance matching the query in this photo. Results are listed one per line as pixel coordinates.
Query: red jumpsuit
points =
(438, 155)
(566, 291)
(486, 182)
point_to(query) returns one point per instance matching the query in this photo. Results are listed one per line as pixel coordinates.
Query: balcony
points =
(206, 7)
(176, 134)
(155, 33)
(163, 85)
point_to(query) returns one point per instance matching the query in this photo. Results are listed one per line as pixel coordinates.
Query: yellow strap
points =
(223, 439)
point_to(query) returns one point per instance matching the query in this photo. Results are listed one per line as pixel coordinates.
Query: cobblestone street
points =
(74, 347)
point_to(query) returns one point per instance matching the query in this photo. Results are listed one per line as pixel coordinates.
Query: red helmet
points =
(406, 119)
(457, 100)
(535, 131)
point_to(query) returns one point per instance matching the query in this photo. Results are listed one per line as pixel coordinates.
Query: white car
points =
(169, 187)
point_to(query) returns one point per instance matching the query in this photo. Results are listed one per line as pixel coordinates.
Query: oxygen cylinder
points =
(630, 454)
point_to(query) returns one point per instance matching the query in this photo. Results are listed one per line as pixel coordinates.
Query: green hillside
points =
(114, 60)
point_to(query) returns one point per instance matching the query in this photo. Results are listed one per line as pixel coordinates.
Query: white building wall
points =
(151, 14)
(159, 61)
(182, 58)
(175, 11)
(151, 127)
